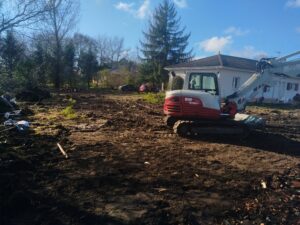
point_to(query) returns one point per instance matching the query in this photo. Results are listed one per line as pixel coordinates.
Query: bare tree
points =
(110, 50)
(59, 21)
(20, 13)
(83, 43)
(116, 47)
(102, 46)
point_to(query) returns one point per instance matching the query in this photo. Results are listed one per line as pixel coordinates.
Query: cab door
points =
(205, 86)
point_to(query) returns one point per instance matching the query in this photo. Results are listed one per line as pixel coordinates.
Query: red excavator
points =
(196, 108)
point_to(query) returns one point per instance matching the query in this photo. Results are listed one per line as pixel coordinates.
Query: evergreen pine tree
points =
(69, 63)
(39, 56)
(88, 65)
(164, 44)
(11, 53)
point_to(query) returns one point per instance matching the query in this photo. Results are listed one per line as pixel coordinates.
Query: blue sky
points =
(246, 28)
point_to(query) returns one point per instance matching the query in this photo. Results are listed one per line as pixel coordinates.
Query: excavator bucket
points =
(252, 122)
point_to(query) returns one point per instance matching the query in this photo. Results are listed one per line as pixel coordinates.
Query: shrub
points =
(154, 98)
(69, 111)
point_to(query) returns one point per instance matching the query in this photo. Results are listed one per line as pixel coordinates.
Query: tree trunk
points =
(57, 71)
(57, 52)
(57, 75)
(10, 68)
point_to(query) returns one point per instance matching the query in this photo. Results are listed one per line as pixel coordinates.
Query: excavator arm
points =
(267, 69)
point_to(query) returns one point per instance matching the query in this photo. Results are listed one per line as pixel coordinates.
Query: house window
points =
(235, 82)
(266, 88)
(292, 86)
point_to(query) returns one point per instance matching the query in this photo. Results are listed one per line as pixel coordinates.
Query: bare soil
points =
(126, 167)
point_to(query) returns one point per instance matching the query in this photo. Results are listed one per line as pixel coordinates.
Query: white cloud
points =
(127, 7)
(215, 44)
(180, 3)
(143, 10)
(236, 31)
(140, 12)
(293, 3)
(249, 52)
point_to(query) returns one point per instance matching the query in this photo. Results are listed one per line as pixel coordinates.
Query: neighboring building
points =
(234, 71)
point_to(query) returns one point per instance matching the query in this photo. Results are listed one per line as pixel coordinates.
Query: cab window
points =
(204, 82)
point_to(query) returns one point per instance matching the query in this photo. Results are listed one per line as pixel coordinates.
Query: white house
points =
(234, 71)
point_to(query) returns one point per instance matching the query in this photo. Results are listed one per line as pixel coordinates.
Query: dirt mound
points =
(33, 95)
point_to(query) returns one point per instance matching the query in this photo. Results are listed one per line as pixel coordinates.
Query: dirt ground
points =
(126, 167)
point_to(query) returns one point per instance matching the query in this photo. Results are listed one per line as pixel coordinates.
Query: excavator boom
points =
(267, 69)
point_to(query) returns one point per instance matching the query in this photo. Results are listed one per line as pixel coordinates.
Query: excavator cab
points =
(196, 96)
(205, 82)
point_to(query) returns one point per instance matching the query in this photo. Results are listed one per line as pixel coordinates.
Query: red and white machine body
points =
(198, 99)
(192, 104)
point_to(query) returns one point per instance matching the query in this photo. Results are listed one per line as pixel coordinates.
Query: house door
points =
(281, 91)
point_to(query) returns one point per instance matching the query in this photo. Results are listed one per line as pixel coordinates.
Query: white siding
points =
(226, 78)
(276, 93)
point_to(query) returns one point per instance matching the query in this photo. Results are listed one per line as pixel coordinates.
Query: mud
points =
(126, 167)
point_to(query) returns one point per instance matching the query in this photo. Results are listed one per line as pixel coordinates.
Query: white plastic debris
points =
(9, 122)
(263, 184)
(22, 125)
(7, 115)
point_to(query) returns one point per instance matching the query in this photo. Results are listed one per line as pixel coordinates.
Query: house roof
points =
(218, 61)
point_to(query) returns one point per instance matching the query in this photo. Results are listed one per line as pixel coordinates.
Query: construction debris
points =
(7, 104)
(22, 125)
(62, 151)
(263, 184)
(15, 113)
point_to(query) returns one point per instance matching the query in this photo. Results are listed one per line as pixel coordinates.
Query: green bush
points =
(69, 111)
(154, 98)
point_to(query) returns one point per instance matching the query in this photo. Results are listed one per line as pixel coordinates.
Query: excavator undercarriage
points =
(240, 126)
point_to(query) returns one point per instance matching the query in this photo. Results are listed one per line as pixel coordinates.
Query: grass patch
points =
(154, 98)
(69, 111)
